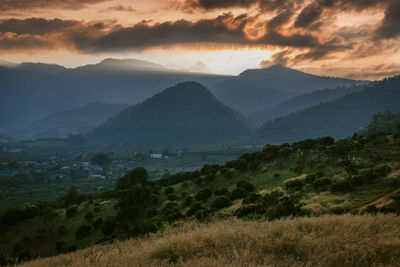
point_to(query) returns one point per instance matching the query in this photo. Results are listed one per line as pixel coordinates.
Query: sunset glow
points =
(226, 36)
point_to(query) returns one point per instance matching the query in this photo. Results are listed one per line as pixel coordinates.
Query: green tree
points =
(101, 159)
(135, 200)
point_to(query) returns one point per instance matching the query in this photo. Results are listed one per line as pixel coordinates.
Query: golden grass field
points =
(344, 240)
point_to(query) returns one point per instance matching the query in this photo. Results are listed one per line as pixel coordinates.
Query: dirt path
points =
(381, 202)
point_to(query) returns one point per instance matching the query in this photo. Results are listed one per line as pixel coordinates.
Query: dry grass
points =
(325, 241)
(326, 203)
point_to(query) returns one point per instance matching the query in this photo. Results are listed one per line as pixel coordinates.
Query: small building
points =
(98, 176)
(156, 156)
(97, 168)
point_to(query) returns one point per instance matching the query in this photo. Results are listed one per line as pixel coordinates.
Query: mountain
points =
(300, 102)
(6, 139)
(257, 89)
(31, 91)
(184, 115)
(75, 121)
(338, 118)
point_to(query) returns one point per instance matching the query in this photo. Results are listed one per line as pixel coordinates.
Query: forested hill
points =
(339, 118)
(184, 115)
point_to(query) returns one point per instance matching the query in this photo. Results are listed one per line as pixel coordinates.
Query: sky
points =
(356, 39)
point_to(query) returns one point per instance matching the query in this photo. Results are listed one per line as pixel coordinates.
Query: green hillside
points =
(184, 115)
(308, 178)
(338, 118)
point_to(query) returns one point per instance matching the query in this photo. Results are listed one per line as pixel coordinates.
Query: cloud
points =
(390, 26)
(7, 5)
(121, 8)
(35, 26)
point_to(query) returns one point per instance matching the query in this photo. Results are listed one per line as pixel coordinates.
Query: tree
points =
(135, 201)
(101, 159)
(72, 196)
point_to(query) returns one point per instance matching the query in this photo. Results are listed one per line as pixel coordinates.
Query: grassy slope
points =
(265, 178)
(324, 241)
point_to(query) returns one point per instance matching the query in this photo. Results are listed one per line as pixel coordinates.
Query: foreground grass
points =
(321, 241)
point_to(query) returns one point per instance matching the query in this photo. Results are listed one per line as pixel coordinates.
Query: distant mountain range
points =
(6, 139)
(300, 102)
(338, 118)
(254, 90)
(184, 115)
(31, 91)
(75, 121)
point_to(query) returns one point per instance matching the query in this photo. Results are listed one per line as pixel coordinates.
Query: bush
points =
(97, 223)
(220, 203)
(83, 231)
(294, 185)
(238, 193)
(62, 230)
(60, 246)
(203, 195)
(284, 152)
(70, 212)
(172, 197)
(221, 192)
(108, 227)
(194, 209)
(251, 198)
(322, 184)
(246, 210)
(254, 165)
(168, 190)
(241, 165)
(89, 216)
(188, 201)
(245, 185)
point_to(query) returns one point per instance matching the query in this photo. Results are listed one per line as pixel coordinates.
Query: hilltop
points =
(338, 118)
(256, 89)
(183, 115)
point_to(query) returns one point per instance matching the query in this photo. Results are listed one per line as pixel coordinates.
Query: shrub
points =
(172, 197)
(238, 193)
(194, 209)
(97, 223)
(284, 152)
(188, 201)
(246, 210)
(62, 230)
(71, 211)
(251, 198)
(220, 203)
(241, 165)
(89, 216)
(245, 185)
(83, 231)
(254, 165)
(60, 245)
(168, 190)
(322, 184)
(342, 186)
(294, 185)
(108, 227)
(221, 192)
(203, 195)
(276, 175)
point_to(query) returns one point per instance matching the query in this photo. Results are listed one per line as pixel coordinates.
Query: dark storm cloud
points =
(225, 29)
(390, 26)
(35, 26)
(7, 5)
(265, 5)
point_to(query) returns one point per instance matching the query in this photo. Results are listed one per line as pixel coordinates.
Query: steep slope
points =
(254, 90)
(30, 91)
(338, 118)
(75, 121)
(184, 115)
(300, 102)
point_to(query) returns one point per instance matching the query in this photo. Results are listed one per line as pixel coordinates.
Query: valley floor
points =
(344, 240)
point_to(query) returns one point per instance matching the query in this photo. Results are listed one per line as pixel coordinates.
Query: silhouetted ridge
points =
(183, 115)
